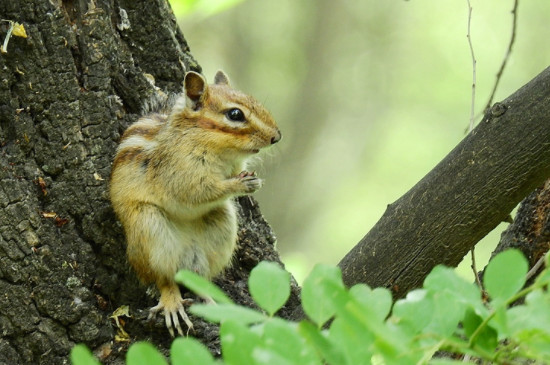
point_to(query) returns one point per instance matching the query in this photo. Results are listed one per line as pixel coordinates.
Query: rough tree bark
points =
(463, 198)
(530, 231)
(67, 92)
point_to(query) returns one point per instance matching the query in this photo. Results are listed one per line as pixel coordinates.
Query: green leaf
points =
(414, 313)
(363, 317)
(486, 337)
(201, 286)
(394, 346)
(445, 280)
(269, 286)
(282, 338)
(361, 292)
(505, 275)
(450, 296)
(534, 315)
(378, 300)
(447, 313)
(500, 321)
(189, 351)
(238, 343)
(81, 355)
(263, 356)
(544, 277)
(218, 313)
(318, 295)
(313, 336)
(143, 353)
(356, 346)
(536, 345)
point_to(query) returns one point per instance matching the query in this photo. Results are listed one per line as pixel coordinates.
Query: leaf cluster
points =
(361, 325)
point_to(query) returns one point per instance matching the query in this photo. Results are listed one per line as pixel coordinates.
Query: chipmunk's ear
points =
(221, 78)
(196, 89)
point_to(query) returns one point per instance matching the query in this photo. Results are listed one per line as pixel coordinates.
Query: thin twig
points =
(474, 268)
(506, 56)
(472, 106)
(535, 268)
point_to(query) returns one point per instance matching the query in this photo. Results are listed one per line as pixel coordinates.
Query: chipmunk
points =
(173, 180)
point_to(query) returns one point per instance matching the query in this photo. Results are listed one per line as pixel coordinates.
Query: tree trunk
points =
(530, 231)
(67, 93)
(463, 198)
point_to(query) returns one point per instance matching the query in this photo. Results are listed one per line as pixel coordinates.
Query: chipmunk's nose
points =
(277, 138)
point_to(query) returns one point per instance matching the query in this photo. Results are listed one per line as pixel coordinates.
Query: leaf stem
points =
(4, 47)
(493, 312)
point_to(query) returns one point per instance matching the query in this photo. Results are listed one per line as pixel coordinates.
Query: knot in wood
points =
(498, 109)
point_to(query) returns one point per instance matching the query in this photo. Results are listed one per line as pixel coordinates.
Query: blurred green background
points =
(370, 96)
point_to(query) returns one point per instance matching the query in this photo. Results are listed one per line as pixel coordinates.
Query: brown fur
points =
(128, 155)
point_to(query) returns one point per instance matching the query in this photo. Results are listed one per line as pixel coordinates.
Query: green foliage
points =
(190, 351)
(269, 286)
(143, 353)
(202, 287)
(81, 355)
(359, 325)
(506, 275)
(226, 312)
(319, 291)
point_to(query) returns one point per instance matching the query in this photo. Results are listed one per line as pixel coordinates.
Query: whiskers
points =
(265, 157)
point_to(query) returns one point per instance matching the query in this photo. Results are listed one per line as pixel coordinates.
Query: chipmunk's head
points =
(233, 122)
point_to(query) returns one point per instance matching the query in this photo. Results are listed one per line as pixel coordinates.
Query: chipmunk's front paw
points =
(250, 181)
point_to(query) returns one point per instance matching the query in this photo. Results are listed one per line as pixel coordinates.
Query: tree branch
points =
(463, 198)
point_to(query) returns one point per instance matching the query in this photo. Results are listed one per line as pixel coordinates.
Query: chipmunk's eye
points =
(235, 115)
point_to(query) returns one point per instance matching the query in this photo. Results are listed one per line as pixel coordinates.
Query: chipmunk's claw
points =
(172, 306)
(247, 174)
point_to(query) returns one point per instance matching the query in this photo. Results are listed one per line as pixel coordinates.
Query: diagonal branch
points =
(463, 198)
